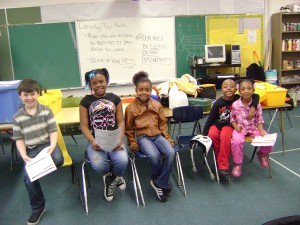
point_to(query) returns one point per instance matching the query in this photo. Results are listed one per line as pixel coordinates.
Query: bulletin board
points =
(246, 30)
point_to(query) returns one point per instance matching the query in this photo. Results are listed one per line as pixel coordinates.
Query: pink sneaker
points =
(236, 170)
(263, 160)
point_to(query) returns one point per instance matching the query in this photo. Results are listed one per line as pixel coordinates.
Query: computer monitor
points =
(215, 53)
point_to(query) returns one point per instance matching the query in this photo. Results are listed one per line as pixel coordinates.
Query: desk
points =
(281, 109)
(209, 66)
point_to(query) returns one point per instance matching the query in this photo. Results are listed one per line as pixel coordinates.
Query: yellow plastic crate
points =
(275, 95)
(52, 99)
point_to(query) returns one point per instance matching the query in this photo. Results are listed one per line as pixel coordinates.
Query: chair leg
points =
(180, 173)
(75, 178)
(1, 141)
(253, 154)
(137, 184)
(13, 154)
(74, 139)
(212, 176)
(84, 188)
(216, 167)
(288, 117)
(193, 161)
(134, 182)
(269, 167)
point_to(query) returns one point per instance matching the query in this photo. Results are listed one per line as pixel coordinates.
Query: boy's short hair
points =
(28, 86)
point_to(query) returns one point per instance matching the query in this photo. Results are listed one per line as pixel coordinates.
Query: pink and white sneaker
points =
(236, 170)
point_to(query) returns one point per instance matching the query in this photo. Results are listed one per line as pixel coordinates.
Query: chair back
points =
(186, 114)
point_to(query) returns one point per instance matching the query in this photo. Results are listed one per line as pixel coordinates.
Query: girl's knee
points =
(99, 165)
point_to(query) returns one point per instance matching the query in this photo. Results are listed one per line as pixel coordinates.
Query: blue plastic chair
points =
(136, 181)
(191, 114)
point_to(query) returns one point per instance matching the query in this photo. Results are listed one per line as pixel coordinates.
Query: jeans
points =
(160, 154)
(36, 196)
(108, 161)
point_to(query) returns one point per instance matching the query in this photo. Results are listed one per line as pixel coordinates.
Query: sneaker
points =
(161, 195)
(236, 170)
(120, 183)
(35, 217)
(109, 187)
(224, 176)
(168, 190)
(263, 160)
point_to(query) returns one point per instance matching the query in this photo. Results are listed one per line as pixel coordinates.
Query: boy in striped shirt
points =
(34, 129)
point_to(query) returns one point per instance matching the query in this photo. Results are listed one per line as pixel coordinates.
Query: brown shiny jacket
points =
(140, 119)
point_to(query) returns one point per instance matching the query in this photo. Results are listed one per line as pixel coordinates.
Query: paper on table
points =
(267, 140)
(40, 165)
(107, 139)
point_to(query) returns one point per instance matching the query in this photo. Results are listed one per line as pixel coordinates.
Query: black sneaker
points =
(161, 195)
(109, 186)
(35, 217)
(224, 176)
(168, 190)
(120, 183)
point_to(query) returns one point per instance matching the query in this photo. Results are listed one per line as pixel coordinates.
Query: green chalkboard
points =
(190, 41)
(47, 53)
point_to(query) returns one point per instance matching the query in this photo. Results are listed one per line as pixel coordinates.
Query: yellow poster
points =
(245, 30)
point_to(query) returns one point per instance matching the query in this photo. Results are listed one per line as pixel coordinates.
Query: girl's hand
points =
(262, 133)
(95, 146)
(120, 145)
(238, 129)
(134, 149)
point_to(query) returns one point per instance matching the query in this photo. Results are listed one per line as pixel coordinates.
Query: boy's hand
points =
(50, 150)
(251, 113)
(26, 158)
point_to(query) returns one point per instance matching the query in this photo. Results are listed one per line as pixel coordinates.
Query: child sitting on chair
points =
(244, 126)
(34, 129)
(219, 129)
(146, 131)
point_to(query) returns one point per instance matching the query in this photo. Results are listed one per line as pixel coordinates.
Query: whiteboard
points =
(126, 46)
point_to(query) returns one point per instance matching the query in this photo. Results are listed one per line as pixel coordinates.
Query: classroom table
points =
(281, 122)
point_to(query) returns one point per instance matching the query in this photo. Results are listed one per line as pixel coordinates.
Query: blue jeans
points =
(160, 154)
(108, 161)
(36, 196)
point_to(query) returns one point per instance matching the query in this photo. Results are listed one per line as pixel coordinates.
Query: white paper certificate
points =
(107, 139)
(40, 166)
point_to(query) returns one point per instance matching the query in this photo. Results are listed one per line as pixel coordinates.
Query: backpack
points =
(255, 72)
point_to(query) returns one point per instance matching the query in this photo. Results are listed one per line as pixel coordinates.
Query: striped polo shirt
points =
(34, 130)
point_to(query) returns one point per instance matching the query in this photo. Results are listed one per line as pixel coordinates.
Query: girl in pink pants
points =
(244, 126)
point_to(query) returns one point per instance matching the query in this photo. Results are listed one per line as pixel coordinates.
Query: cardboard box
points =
(53, 99)
(10, 102)
(274, 95)
(294, 7)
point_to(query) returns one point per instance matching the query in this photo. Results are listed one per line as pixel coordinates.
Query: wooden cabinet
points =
(284, 60)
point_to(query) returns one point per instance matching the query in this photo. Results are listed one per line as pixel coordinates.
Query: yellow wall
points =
(225, 30)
